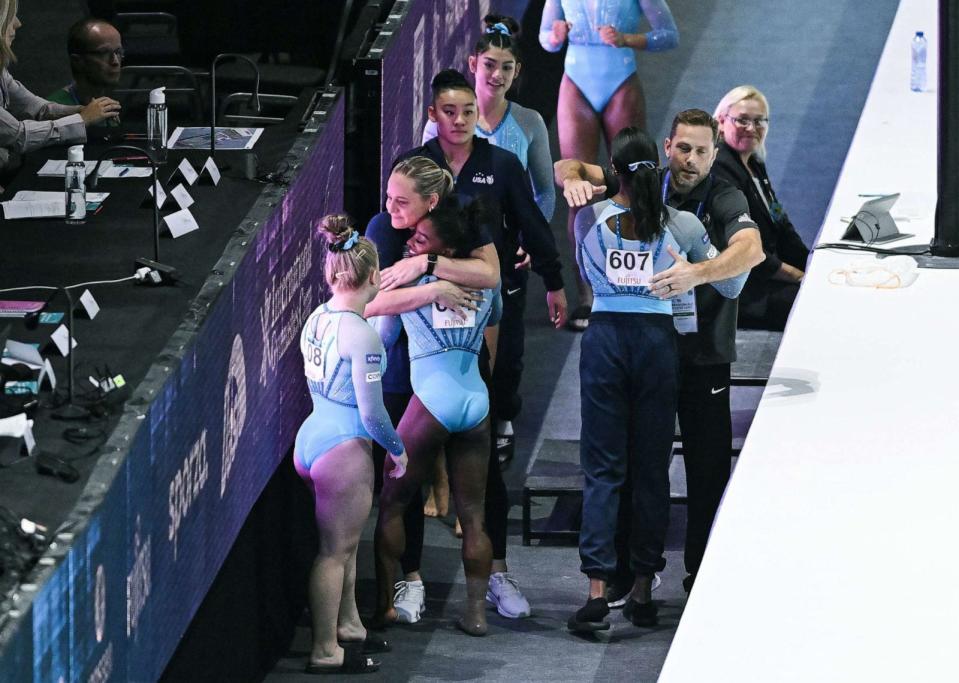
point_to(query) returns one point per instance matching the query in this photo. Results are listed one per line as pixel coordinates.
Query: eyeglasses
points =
(106, 53)
(746, 122)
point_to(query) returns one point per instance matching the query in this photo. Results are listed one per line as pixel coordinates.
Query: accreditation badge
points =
(684, 313)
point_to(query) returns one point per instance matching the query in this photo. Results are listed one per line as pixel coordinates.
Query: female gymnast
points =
(629, 372)
(449, 410)
(600, 90)
(414, 188)
(496, 63)
(343, 360)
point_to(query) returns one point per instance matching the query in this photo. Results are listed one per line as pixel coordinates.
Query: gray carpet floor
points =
(800, 55)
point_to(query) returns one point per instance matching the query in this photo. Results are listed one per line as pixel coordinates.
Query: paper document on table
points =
(35, 209)
(226, 137)
(58, 167)
(35, 204)
(126, 172)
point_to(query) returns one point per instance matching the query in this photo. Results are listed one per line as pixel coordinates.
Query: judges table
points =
(830, 559)
(135, 321)
(213, 401)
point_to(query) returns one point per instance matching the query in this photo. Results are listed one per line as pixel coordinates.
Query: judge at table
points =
(28, 122)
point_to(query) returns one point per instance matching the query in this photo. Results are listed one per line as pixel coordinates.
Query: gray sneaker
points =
(505, 595)
(409, 601)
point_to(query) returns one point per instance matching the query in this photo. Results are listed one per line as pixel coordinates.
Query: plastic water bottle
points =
(917, 82)
(75, 190)
(157, 125)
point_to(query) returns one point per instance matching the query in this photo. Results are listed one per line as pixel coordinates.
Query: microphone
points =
(254, 98)
(168, 273)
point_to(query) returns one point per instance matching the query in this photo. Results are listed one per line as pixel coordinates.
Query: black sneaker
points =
(617, 592)
(590, 617)
(641, 613)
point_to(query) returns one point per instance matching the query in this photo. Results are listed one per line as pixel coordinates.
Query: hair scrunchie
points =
(347, 245)
(499, 27)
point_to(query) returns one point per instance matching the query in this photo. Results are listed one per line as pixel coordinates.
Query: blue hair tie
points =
(645, 164)
(347, 245)
(499, 27)
(350, 243)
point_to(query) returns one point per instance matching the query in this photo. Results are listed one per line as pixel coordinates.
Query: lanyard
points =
(699, 209)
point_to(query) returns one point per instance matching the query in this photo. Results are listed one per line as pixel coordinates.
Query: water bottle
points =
(156, 125)
(917, 82)
(76, 193)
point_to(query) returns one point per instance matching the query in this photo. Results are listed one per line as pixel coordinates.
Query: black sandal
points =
(350, 665)
(371, 645)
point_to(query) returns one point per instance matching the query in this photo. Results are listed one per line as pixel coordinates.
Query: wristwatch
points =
(431, 260)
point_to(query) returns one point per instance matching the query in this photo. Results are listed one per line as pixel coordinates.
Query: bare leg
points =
(578, 126)
(423, 437)
(627, 107)
(342, 480)
(468, 460)
(438, 502)
(348, 624)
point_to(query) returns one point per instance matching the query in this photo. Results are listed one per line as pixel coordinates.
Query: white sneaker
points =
(409, 601)
(505, 595)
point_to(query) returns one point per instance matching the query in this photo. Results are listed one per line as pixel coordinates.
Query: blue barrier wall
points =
(198, 441)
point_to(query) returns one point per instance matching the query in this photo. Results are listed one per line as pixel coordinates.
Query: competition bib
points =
(313, 366)
(446, 318)
(684, 313)
(626, 268)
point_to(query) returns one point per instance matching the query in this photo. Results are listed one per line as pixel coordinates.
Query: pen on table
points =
(121, 159)
(124, 172)
(871, 195)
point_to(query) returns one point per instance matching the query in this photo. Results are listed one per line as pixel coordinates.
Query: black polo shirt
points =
(497, 176)
(723, 211)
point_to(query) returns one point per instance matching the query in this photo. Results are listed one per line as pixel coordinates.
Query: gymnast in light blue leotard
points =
(343, 360)
(449, 410)
(629, 373)
(495, 64)
(600, 91)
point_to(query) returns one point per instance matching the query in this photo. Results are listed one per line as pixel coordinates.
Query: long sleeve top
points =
(28, 122)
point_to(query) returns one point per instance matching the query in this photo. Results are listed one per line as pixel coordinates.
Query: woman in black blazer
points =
(765, 302)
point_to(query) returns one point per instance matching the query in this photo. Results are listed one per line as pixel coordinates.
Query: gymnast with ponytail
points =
(343, 360)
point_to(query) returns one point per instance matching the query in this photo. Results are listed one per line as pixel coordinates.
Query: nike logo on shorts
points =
(511, 292)
(718, 391)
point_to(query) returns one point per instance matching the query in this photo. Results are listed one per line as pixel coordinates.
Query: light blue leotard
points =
(344, 361)
(522, 132)
(598, 69)
(684, 233)
(444, 369)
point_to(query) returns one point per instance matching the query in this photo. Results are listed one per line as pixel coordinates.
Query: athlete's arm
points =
(539, 160)
(359, 343)
(582, 183)
(685, 274)
(551, 34)
(480, 270)
(407, 299)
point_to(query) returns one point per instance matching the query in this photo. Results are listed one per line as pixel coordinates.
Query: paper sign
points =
(48, 374)
(59, 337)
(28, 439)
(89, 304)
(211, 169)
(181, 222)
(161, 195)
(181, 196)
(185, 168)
